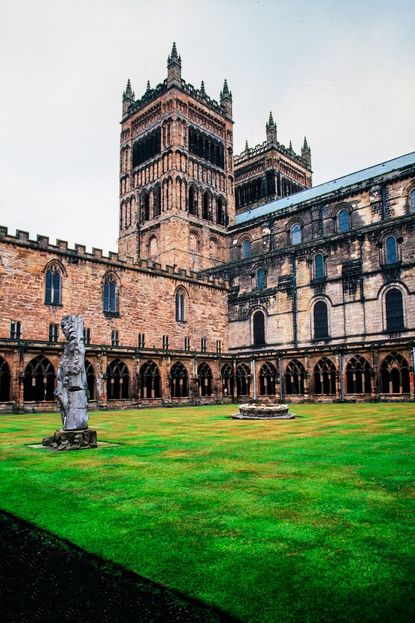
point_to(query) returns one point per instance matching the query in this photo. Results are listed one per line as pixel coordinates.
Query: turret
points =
(271, 130)
(306, 153)
(174, 68)
(127, 97)
(226, 99)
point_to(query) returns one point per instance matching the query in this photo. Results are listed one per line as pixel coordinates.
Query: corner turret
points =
(306, 153)
(226, 100)
(271, 130)
(127, 97)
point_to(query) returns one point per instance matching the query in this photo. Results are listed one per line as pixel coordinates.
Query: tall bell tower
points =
(176, 173)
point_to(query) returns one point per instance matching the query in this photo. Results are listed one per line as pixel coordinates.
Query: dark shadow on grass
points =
(43, 578)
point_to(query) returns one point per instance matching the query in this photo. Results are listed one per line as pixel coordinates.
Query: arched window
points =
(145, 206)
(260, 279)
(391, 252)
(246, 249)
(258, 322)
(204, 376)
(321, 324)
(192, 200)
(53, 286)
(227, 380)
(205, 206)
(110, 303)
(412, 200)
(325, 377)
(296, 236)
(157, 201)
(220, 212)
(267, 379)
(118, 380)
(39, 380)
(394, 310)
(294, 377)
(394, 375)
(243, 380)
(5, 378)
(153, 248)
(90, 379)
(149, 380)
(179, 381)
(358, 376)
(319, 266)
(343, 221)
(180, 306)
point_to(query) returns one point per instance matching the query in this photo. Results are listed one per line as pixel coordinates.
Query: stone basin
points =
(266, 411)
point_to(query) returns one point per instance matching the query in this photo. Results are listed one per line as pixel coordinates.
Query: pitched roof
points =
(326, 188)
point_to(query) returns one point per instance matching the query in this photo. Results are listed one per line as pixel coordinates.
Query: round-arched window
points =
(343, 220)
(391, 254)
(296, 235)
(246, 248)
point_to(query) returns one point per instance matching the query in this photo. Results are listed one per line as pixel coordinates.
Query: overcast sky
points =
(341, 73)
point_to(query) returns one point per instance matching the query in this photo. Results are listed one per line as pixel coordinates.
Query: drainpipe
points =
(294, 294)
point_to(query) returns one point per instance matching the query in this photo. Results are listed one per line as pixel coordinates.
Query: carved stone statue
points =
(71, 392)
(71, 379)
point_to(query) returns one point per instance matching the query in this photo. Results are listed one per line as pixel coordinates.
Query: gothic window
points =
(394, 310)
(294, 378)
(179, 381)
(39, 380)
(319, 266)
(227, 380)
(343, 221)
(394, 375)
(5, 378)
(204, 377)
(324, 377)
(90, 379)
(246, 249)
(147, 147)
(180, 305)
(412, 200)
(157, 201)
(220, 212)
(207, 148)
(358, 376)
(53, 286)
(118, 380)
(391, 252)
(149, 380)
(192, 201)
(267, 379)
(243, 379)
(145, 206)
(321, 324)
(258, 322)
(296, 234)
(110, 303)
(260, 279)
(152, 247)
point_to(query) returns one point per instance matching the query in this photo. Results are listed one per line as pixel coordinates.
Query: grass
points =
(303, 520)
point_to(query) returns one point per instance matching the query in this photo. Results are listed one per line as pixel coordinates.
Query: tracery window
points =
(192, 207)
(343, 221)
(53, 286)
(227, 380)
(394, 310)
(296, 234)
(204, 375)
(149, 380)
(147, 147)
(321, 324)
(90, 379)
(118, 380)
(324, 377)
(358, 376)
(205, 206)
(179, 381)
(39, 380)
(5, 378)
(294, 377)
(243, 380)
(267, 379)
(246, 248)
(110, 303)
(391, 252)
(394, 374)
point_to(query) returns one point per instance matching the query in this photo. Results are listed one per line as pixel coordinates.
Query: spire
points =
(174, 67)
(306, 152)
(226, 99)
(127, 97)
(246, 146)
(202, 89)
(271, 130)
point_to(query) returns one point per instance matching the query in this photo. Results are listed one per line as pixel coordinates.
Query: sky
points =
(340, 73)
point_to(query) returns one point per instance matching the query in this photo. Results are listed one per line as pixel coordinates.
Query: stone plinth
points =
(72, 439)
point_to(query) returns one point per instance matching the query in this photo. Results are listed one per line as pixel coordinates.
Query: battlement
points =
(262, 148)
(79, 253)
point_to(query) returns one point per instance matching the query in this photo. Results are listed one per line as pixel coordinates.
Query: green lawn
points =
(304, 520)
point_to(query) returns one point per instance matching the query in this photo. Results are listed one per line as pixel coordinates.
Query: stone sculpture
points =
(71, 391)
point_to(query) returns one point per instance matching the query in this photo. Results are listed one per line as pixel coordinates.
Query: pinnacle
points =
(148, 86)
(290, 147)
(202, 88)
(174, 51)
(271, 119)
(225, 88)
(305, 145)
(246, 146)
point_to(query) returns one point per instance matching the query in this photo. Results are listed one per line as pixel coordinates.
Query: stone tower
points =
(176, 173)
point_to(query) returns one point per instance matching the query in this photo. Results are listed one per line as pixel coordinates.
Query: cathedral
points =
(235, 278)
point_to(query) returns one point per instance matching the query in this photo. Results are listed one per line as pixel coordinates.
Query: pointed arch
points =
(324, 376)
(90, 379)
(394, 374)
(180, 304)
(118, 380)
(179, 380)
(110, 293)
(358, 376)
(294, 378)
(205, 378)
(258, 328)
(39, 380)
(267, 379)
(243, 379)
(227, 380)
(149, 380)
(5, 381)
(53, 283)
